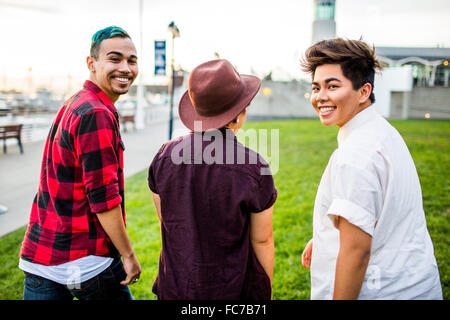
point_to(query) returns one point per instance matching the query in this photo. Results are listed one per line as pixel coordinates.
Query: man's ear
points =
(90, 63)
(365, 92)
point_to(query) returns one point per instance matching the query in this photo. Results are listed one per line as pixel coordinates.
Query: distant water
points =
(35, 126)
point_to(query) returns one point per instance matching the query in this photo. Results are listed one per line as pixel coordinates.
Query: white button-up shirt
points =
(372, 182)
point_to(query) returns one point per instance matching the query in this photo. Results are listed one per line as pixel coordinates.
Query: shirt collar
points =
(91, 86)
(354, 123)
(225, 133)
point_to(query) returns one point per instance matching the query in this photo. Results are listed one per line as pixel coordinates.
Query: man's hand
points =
(112, 223)
(132, 269)
(306, 255)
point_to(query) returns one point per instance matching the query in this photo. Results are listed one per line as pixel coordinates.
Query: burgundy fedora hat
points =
(216, 95)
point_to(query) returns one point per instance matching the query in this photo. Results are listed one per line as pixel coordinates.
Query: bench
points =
(11, 131)
(127, 118)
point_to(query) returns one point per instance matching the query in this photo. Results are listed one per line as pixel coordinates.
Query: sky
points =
(45, 42)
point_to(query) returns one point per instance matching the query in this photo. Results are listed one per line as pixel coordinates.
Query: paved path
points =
(19, 174)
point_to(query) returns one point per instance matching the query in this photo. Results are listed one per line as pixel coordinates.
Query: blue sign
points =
(160, 57)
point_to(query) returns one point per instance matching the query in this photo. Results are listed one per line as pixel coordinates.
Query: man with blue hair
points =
(76, 232)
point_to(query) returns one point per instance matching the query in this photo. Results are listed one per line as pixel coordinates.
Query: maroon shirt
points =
(81, 175)
(206, 250)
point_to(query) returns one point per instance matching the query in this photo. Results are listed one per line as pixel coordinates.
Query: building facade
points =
(429, 96)
(324, 25)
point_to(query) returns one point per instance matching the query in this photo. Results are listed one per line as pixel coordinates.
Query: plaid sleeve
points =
(97, 149)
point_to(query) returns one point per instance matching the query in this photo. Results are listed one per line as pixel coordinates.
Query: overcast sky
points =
(52, 36)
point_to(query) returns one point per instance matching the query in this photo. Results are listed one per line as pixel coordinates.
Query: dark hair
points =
(357, 60)
(106, 33)
(235, 120)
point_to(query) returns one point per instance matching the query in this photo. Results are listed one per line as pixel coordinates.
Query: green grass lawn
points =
(305, 147)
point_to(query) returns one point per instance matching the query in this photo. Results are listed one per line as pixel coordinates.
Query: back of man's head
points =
(106, 33)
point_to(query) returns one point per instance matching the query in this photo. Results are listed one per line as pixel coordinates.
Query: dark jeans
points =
(104, 286)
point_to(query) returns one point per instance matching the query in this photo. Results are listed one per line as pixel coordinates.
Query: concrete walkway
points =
(19, 173)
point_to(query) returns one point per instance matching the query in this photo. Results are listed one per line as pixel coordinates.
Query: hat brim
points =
(188, 115)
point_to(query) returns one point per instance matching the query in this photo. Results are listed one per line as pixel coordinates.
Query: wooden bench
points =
(125, 119)
(11, 131)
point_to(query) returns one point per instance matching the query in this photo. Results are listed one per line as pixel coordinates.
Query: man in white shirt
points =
(370, 237)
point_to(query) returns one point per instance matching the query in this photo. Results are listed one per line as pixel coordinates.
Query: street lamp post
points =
(175, 33)
(140, 124)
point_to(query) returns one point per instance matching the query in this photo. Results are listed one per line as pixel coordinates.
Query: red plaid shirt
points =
(81, 175)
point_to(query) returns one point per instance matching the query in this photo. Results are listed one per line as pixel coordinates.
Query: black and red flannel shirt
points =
(81, 175)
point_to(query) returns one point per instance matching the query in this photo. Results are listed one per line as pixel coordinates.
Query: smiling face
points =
(116, 67)
(333, 96)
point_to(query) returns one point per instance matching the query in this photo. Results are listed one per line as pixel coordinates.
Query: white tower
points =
(324, 26)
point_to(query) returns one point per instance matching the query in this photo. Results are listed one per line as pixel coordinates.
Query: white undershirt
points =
(69, 273)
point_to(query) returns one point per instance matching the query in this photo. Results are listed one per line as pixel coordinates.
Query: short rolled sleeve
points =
(97, 149)
(265, 196)
(151, 177)
(356, 196)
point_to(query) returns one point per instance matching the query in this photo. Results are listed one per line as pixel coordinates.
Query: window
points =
(325, 11)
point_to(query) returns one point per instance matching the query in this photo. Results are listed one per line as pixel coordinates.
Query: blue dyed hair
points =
(106, 33)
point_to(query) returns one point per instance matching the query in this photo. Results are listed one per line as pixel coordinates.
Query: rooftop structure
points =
(430, 65)
(324, 25)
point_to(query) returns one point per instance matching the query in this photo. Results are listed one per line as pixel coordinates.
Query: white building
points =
(324, 25)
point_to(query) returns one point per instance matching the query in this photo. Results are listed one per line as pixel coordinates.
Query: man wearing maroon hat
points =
(215, 212)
